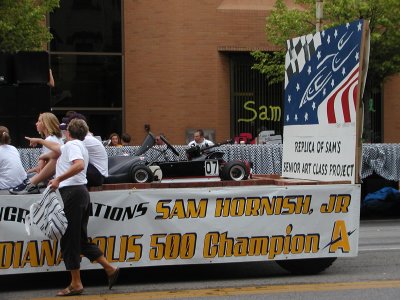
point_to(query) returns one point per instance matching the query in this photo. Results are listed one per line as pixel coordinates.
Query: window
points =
(86, 61)
(87, 81)
(256, 106)
(86, 26)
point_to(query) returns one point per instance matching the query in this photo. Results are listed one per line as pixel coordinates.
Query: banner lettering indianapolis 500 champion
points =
(195, 226)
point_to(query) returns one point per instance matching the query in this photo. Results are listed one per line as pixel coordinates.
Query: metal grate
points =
(255, 105)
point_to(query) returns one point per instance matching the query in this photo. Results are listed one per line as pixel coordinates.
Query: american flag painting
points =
(321, 77)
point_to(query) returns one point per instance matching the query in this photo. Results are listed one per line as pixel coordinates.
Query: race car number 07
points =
(211, 167)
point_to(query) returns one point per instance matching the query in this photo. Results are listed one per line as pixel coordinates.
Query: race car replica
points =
(199, 163)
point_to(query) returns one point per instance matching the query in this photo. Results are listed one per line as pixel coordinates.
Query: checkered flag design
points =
(299, 51)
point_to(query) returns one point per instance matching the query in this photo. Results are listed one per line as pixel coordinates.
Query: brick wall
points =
(391, 109)
(176, 70)
(177, 66)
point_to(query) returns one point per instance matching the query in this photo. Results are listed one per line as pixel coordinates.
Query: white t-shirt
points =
(97, 154)
(71, 151)
(52, 138)
(205, 143)
(12, 172)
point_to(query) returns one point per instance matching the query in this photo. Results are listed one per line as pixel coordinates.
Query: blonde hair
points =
(51, 124)
(4, 136)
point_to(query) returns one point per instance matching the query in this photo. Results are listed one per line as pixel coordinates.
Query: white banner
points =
(153, 227)
(319, 155)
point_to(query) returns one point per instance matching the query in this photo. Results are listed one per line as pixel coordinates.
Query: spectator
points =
(71, 181)
(159, 141)
(97, 169)
(199, 140)
(66, 118)
(49, 128)
(11, 170)
(115, 141)
(125, 139)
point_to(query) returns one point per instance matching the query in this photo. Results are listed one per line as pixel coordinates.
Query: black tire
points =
(234, 170)
(141, 174)
(306, 266)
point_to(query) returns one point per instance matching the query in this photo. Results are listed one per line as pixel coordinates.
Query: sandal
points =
(69, 291)
(112, 279)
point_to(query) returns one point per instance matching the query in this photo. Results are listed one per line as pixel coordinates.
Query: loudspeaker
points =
(31, 67)
(8, 100)
(33, 99)
(6, 68)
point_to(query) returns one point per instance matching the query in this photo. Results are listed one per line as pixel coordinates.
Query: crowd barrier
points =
(381, 159)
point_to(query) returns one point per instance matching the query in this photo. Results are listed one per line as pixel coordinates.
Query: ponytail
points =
(4, 136)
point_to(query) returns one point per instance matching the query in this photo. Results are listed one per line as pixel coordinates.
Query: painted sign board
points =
(323, 82)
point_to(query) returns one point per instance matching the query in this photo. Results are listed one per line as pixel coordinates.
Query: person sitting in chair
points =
(48, 127)
(11, 170)
(200, 140)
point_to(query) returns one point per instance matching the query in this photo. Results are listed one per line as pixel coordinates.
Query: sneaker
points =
(19, 187)
(43, 184)
(24, 189)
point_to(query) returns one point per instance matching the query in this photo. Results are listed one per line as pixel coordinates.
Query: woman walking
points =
(71, 181)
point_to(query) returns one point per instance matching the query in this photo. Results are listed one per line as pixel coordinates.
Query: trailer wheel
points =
(141, 174)
(306, 266)
(234, 170)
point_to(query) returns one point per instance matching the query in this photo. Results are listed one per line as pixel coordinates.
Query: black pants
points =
(93, 176)
(75, 240)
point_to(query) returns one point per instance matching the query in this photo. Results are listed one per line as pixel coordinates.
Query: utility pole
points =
(319, 14)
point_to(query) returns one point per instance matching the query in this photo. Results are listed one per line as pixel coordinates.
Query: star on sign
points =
(324, 92)
(297, 87)
(347, 25)
(319, 55)
(333, 83)
(329, 39)
(359, 26)
(313, 106)
(357, 56)
(289, 98)
(287, 118)
(344, 71)
(295, 117)
(306, 117)
(336, 33)
(309, 70)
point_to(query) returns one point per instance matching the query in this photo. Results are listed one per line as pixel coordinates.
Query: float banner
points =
(321, 97)
(154, 227)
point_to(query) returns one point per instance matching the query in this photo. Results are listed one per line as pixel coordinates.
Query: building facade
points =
(173, 66)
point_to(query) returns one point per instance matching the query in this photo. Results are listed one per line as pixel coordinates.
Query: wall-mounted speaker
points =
(31, 67)
(8, 100)
(6, 68)
(33, 99)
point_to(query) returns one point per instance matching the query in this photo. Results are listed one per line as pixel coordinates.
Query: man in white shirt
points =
(98, 159)
(199, 140)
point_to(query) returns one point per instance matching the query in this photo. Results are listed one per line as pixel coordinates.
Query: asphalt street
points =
(374, 273)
